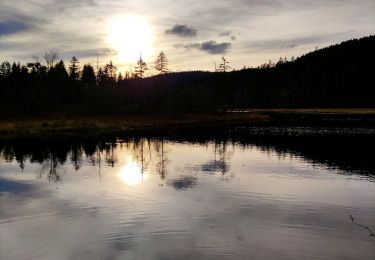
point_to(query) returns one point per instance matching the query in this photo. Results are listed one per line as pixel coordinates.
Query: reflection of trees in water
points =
(7, 154)
(162, 161)
(147, 155)
(76, 157)
(53, 173)
(110, 155)
(221, 156)
(21, 162)
(139, 155)
(50, 166)
(349, 153)
(145, 152)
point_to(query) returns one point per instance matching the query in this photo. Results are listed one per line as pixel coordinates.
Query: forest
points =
(339, 76)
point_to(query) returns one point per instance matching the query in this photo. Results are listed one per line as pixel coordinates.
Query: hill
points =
(339, 76)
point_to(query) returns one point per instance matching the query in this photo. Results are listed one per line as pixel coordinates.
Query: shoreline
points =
(61, 124)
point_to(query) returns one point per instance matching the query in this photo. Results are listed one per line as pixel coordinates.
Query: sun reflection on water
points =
(131, 174)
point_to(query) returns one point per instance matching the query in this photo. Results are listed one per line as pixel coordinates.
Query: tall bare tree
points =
(50, 58)
(223, 67)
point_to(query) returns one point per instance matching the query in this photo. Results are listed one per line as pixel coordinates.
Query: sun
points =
(131, 174)
(130, 36)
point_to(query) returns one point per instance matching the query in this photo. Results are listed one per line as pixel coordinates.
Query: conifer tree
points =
(161, 63)
(73, 68)
(141, 68)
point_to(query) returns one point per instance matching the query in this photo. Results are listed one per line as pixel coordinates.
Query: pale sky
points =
(193, 33)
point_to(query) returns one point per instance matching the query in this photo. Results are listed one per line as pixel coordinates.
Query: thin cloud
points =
(226, 33)
(210, 47)
(59, 7)
(275, 45)
(88, 53)
(182, 30)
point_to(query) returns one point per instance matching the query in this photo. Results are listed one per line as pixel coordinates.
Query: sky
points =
(194, 34)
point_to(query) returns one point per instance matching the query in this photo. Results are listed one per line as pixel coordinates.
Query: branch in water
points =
(362, 226)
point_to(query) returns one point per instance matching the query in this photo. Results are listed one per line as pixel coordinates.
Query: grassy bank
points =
(53, 124)
(60, 123)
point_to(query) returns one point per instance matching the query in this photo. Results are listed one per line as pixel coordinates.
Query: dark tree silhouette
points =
(223, 67)
(73, 68)
(88, 78)
(161, 63)
(59, 78)
(111, 70)
(107, 76)
(141, 68)
(50, 58)
(120, 77)
(336, 76)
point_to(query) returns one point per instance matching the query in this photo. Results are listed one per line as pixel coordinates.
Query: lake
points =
(243, 193)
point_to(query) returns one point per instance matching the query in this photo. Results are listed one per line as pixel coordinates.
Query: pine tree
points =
(120, 77)
(73, 68)
(141, 68)
(107, 76)
(161, 63)
(88, 79)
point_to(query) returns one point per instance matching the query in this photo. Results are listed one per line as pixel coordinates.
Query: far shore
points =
(58, 123)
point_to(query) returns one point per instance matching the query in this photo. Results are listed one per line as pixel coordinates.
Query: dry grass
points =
(65, 123)
(60, 123)
(347, 111)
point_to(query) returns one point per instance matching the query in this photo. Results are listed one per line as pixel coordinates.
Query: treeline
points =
(337, 76)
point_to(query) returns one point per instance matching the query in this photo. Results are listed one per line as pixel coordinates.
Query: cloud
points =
(215, 48)
(182, 30)
(275, 45)
(13, 27)
(13, 23)
(211, 47)
(258, 29)
(228, 34)
(89, 53)
(58, 6)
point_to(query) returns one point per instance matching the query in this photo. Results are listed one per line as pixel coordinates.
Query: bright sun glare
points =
(130, 36)
(131, 174)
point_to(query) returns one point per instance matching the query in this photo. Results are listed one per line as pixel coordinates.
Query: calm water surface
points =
(193, 198)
